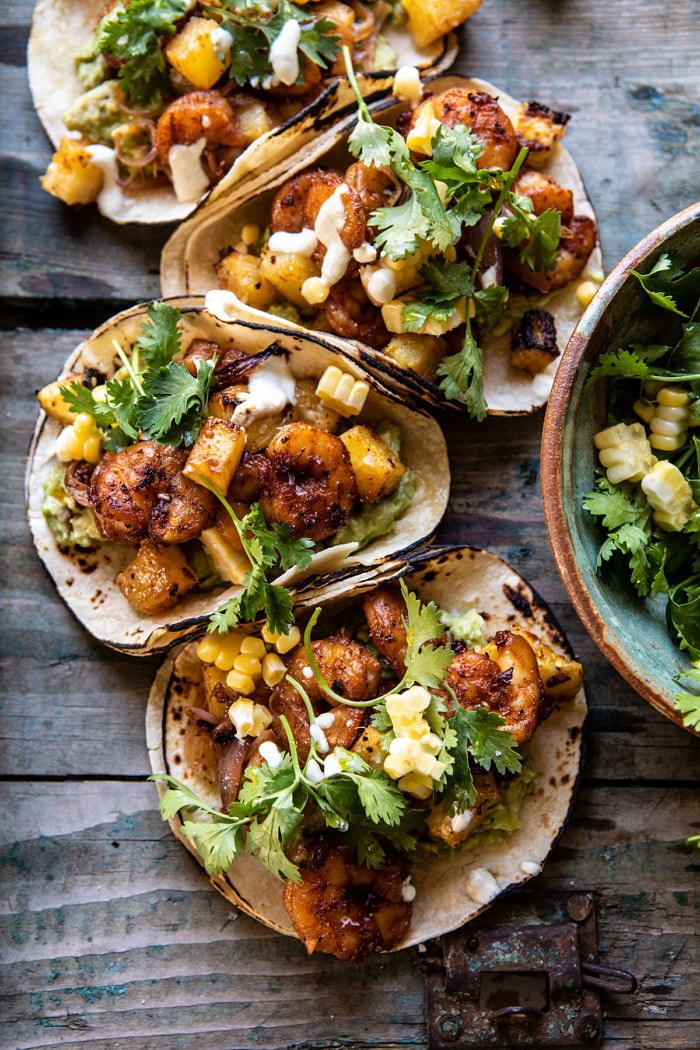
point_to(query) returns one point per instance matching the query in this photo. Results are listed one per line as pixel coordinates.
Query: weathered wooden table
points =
(112, 934)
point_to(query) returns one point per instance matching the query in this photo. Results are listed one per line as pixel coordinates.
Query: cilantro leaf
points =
(537, 236)
(462, 377)
(671, 287)
(450, 284)
(160, 339)
(218, 841)
(489, 744)
(689, 703)
(400, 228)
(175, 403)
(620, 363)
(426, 664)
(278, 608)
(267, 840)
(131, 33)
(460, 791)
(612, 505)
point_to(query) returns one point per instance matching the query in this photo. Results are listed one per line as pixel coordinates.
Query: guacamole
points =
(72, 526)
(96, 114)
(467, 628)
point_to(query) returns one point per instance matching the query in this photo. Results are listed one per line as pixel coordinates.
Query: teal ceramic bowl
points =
(632, 634)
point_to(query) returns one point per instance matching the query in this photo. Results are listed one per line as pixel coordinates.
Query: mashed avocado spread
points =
(96, 114)
(467, 628)
(73, 526)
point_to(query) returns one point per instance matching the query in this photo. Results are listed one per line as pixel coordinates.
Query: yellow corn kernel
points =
(342, 392)
(666, 443)
(240, 683)
(644, 409)
(273, 670)
(669, 495)
(252, 646)
(585, 292)
(92, 449)
(208, 648)
(315, 290)
(673, 396)
(652, 387)
(416, 784)
(81, 440)
(286, 642)
(247, 665)
(250, 233)
(99, 393)
(624, 451)
(242, 715)
(220, 649)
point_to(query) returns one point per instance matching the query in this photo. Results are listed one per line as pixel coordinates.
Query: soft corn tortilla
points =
(457, 579)
(85, 579)
(62, 28)
(189, 260)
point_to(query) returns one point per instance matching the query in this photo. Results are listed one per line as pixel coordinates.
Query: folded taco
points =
(380, 774)
(448, 237)
(188, 463)
(151, 102)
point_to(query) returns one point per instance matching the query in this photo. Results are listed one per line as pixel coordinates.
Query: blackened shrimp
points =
(350, 313)
(344, 908)
(140, 492)
(545, 193)
(197, 115)
(376, 187)
(385, 611)
(505, 679)
(298, 201)
(310, 483)
(481, 113)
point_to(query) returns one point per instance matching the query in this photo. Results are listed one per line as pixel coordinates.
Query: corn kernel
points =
(99, 393)
(674, 397)
(420, 137)
(417, 785)
(247, 665)
(585, 292)
(240, 683)
(315, 290)
(81, 440)
(208, 648)
(669, 495)
(92, 449)
(644, 409)
(228, 650)
(250, 233)
(286, 642)
(242, 715)
(273, 670)
(624, 451)
(253, 646)
(342, 392)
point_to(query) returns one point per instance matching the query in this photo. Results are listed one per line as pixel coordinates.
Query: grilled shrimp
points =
(385, 611)
(348, 668)
(350, 313)
(345, 908)
(545, 193)
(376, 187)
(140, 492)
(249, 477)
(483, 116)
(577, 242)
(77, 481)
(505, 679)
(310, 482)
(298, 201)
(197, 115)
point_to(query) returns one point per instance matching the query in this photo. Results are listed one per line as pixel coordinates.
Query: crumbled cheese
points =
(530, 867)
(489, 277)
(190, 180)
(332, 766)
(221, 41)
(481, 886)
(271, 386)
(284, 55)
(412, 753)
(304, 242)
(407, 85)
(270, 753)
(326, 720)
(314, 773)
(461, 821)
(319, 737)
(408, 890)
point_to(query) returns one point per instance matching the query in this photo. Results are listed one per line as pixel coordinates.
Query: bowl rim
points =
(551, 454)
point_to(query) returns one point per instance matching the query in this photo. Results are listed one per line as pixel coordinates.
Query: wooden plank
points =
(635, 136)
(113, 933)
(495, 503)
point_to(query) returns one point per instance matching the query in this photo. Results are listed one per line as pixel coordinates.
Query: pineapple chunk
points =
(454, 830)
(156, 579)
(51, 400)
(539, 128)
(369, 746)
(217, 696)
(216, 453)
(377, 469)
(421, 353)
(429, 19)
(253, 120)
(241, 275)
(193, 54)
(72, 175)
(230, 563)
(561, 678)
(288, 271)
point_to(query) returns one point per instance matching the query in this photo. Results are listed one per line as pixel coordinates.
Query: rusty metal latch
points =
(526, 975)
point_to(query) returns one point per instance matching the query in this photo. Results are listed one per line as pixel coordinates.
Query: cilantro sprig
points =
(158, 398)
(266, 547)
(132, 32)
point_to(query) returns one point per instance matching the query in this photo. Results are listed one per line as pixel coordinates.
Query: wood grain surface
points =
(111, 934)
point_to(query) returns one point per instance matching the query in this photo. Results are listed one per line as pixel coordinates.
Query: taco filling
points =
(444, 231)
(176, 90)
(219, 467)
(336, 757)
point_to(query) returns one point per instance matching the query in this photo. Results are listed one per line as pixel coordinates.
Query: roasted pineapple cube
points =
(216, 694)
(429, 19)
(534, 342)
(539, 128)
(253, 120)
(230, 563)
(241, 275)
(194, 55)
(288, 271)
(454, 830)
(156, 579)
(561, 678)
(369, 746)
(51, 400)
(377, 469)
(72, 175)
(422, 353)
(216, 453)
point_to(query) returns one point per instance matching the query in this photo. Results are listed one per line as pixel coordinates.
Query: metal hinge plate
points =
(526, 975)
